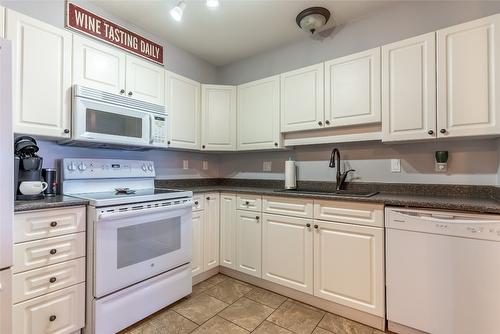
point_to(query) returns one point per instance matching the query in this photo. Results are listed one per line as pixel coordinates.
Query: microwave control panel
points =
(159, 130)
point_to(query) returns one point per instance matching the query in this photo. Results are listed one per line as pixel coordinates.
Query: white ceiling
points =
(237, 29)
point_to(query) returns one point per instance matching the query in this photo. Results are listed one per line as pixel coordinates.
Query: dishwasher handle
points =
(438, 217)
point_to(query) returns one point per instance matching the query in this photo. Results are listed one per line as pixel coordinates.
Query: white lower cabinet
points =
(248, 243)
(287, 251)
(206, 229)
(48, 281)
(211, 231)
(198, 220)
(58, 312)
(349, 265)
(228, 230)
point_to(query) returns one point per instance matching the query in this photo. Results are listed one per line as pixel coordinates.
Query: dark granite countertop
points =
(465, 198)
(58, 201)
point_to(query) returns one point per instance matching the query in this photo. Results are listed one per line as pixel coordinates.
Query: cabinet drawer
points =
(249, 202)
(350, 212)
(37, 282)
(48, 223)
(296, 207)
(58, 312)
(198, 202)
(36, 254)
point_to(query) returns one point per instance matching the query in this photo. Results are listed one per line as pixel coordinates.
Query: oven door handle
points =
(132, 213)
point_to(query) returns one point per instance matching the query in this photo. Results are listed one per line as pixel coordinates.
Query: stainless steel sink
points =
(347, 193)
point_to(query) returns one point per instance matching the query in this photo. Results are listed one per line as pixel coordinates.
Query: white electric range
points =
(138, 240)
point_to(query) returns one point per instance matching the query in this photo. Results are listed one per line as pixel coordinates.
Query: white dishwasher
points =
(443, 271)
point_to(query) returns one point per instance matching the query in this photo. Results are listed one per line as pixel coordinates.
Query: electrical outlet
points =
(205, 165)
(267, 166)
(185, 164)
(396, 165)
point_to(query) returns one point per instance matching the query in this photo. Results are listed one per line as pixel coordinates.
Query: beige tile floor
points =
(223, 305)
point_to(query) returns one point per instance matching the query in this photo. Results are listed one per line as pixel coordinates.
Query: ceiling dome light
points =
(212, 3)
(177, 11)
(311, 19)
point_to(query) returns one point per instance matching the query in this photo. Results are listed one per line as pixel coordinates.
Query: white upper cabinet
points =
(302, 103)
(41, 78)
(145, 81)
(468, 76)
(182, 99)
(409, 89)
(352, 89)
(218, 115)
(2, 21)
(99, 66)
(259, 114)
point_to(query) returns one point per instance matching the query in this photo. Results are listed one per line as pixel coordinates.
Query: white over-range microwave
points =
(101, 119)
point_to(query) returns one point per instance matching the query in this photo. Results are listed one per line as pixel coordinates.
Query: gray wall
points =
(389, 24)
(470, 162)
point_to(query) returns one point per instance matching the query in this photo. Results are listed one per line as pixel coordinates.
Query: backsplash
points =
(169, 164)
(471, 162)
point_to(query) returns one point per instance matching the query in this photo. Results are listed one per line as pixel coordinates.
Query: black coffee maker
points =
(27, 165)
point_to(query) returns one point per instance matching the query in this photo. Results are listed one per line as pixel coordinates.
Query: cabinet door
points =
(145, 81)
(287, 251)
(182, 99)
(468, 78)
(228, 230)
(218, 115)
(2, 21)
(349, 265)
(248, 243)
(211, 239)
(98, 66)
(62, 312)
(198, 219)
(352, 89)
(41, 78)
(302, 104)
(259, 114)
(409, 89)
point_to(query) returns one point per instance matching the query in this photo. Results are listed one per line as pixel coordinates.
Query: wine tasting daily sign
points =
(84, 21)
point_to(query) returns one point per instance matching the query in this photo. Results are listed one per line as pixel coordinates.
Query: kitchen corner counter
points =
(465, 198)
(58, 201)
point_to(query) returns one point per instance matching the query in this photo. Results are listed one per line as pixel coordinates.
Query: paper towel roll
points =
(290, 175)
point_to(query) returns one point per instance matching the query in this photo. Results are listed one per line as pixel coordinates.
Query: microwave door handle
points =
(151, 129)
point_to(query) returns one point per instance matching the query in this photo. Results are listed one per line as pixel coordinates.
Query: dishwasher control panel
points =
(465, 225)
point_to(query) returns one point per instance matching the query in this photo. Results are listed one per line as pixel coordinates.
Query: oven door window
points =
(108, 123)
(142, 242)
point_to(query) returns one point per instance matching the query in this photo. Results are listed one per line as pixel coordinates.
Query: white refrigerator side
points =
(6, 157)
(6, 184)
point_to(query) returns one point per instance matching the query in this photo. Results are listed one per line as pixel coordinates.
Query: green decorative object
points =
(442, 156)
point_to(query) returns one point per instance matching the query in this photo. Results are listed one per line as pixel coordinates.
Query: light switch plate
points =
(396, 165)
(205, 165)
(267, 166)
(185, 164)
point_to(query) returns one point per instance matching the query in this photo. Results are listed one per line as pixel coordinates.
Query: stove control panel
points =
(78, 168)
